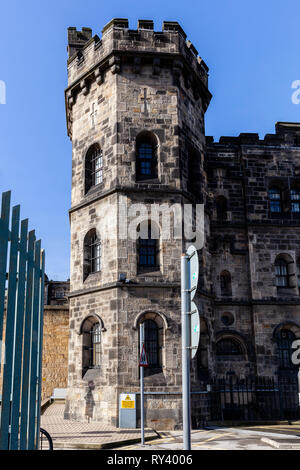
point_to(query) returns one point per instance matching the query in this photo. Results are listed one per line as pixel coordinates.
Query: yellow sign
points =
(128, 403)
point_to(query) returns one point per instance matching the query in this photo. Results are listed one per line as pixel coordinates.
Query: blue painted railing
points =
(22, 303)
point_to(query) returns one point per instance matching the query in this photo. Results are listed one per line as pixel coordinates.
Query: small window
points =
(59, 294)
(229, 347)
(151, 343)
(282, 276)
(146, 158)
(92, 253)
(91, 344)
(225, 283)
(148, 247)
(295, 200)
(275, 200)
(93, 167)
(95, 345)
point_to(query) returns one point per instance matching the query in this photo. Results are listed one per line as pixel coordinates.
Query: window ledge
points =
(90, 276)
(148, 181)
(149, 272)
(94, 189)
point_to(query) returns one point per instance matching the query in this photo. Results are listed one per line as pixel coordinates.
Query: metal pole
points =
(142, 385)
(185, 324)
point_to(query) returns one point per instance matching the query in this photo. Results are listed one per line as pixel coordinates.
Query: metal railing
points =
(255, 399)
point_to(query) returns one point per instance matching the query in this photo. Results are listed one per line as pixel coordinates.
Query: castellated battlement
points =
(286, 133)
(90, 57)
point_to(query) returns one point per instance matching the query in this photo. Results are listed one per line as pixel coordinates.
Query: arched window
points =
(275, 199)
(225, 283)
(285, 339)
(151, 343)
(221, 206)
(93, 167)
(282, 273)
(229, 347)
(92, 253)
(91, 344)
(148, 246)
(295, 200)
(146, 156)
(154, 328)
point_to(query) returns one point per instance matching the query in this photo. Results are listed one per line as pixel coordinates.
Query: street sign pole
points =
(142, 385)
(185, 322)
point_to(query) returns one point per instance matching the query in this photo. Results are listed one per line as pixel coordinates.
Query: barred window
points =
(146, 160)
(91, 343)
(148, 248)
(151, 343)
(93, 167)
(92, 253)
(282, 276)
(95, 345)
(275, 199)
(95, 253)
(295, 200)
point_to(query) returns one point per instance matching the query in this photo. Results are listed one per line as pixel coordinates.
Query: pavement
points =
(71, 435)
(68, 434)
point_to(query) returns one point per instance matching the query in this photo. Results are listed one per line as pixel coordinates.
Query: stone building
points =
(135, 106)
(56, 292)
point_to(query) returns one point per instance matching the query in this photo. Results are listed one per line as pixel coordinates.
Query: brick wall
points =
(55, 349)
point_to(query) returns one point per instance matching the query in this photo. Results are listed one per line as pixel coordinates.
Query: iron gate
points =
(21, 297)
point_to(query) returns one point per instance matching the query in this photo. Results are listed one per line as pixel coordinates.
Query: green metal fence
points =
(22, 264)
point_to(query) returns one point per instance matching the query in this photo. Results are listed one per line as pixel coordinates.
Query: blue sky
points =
(251, 48)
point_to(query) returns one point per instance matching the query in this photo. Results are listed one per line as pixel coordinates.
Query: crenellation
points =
(120, 46)
(77, 39)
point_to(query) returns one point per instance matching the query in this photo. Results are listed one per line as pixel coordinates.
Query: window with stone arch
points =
(229, 346)
(91, 329)
(154, 340)
(91, 253)
(284, 271)
(93, 167)
(148, 247)
(146, 156)
(225, 283)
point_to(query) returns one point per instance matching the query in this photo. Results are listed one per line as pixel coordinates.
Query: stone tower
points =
(135, 107)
